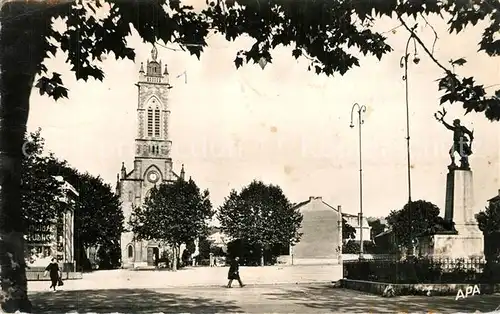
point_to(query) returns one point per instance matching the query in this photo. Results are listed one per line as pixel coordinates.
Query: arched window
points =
(150, 122)
(157, 122)
(130, 251)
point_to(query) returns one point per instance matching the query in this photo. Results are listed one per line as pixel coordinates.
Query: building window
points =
(130, 251)
(150, 122)
(157, 122)
(130, 196)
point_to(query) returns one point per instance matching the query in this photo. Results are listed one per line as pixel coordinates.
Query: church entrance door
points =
(153, 256)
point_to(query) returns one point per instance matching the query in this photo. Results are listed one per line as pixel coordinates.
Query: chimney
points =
(312, 198)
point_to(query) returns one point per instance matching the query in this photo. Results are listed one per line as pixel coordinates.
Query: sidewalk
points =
(197, 276)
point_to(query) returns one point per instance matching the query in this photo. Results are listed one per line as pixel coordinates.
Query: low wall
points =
(355, 257)
(289, 259)
(315, 261)
(38, 276)
(415, 289)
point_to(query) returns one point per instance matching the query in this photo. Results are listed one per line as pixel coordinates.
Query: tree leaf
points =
(459, 62)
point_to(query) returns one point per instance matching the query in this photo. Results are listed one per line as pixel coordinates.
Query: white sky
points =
(283, 125)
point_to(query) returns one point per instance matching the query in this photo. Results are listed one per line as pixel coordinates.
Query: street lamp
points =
(403, 63)
(360, 109)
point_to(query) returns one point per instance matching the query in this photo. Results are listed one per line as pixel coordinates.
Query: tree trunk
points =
(13, 117)
(175, 257)
(18, 61)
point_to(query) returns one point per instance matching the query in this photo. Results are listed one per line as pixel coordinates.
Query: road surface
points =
(287, 298)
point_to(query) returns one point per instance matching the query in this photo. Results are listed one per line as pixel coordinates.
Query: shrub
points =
(353, 247)
(417, 270)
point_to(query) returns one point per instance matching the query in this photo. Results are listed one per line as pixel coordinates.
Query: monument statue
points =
(461, 144)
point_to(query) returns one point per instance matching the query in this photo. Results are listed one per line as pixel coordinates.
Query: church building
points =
(152, 163)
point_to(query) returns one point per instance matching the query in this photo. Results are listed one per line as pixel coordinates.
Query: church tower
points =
(152, 163)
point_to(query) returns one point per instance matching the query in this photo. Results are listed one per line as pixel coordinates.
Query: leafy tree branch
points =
(465, 91)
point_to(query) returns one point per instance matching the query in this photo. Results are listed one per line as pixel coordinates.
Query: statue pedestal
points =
(458, 246)
(459, 205)
(460, 208)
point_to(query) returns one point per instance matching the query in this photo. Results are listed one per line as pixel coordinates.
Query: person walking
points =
(234, 273)
(55, 274)
(211, 256)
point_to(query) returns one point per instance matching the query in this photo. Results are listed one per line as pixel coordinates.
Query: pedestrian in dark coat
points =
(234, 273)
(54, 272)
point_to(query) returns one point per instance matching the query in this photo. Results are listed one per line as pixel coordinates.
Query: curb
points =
(251, 284)
(221, 285)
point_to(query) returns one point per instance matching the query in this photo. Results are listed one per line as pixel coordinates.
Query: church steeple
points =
(152, 163)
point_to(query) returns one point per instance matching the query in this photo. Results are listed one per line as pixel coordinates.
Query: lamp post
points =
(360, 109)
(403, 63)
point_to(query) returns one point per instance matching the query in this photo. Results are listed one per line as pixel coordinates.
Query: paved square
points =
(287, 298)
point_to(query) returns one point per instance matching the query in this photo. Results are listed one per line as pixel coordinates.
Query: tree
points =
(260, 215)
(205, 248)
(377, 227)
(489, 223)
(348, 231)
(174, 214)
(40, 190)
(27, 37)
(414, 220)
(489, 219)
(98, 217)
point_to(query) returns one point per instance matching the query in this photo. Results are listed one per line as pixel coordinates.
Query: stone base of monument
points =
(460, 208)
(466, 241)
(462, 245)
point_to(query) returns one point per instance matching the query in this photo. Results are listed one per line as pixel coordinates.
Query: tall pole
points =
(404, 63)
(408, 166)
(360, 109)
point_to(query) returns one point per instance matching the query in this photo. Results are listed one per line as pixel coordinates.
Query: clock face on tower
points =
(153, 176)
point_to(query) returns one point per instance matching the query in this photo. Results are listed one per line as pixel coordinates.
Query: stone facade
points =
(353, 221)
(321, 229)
(152, 163)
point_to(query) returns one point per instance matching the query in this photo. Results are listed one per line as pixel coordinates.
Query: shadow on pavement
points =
(125, 301)
(326, 298)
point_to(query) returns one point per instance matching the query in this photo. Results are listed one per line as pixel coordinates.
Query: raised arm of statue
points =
(449, 127)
